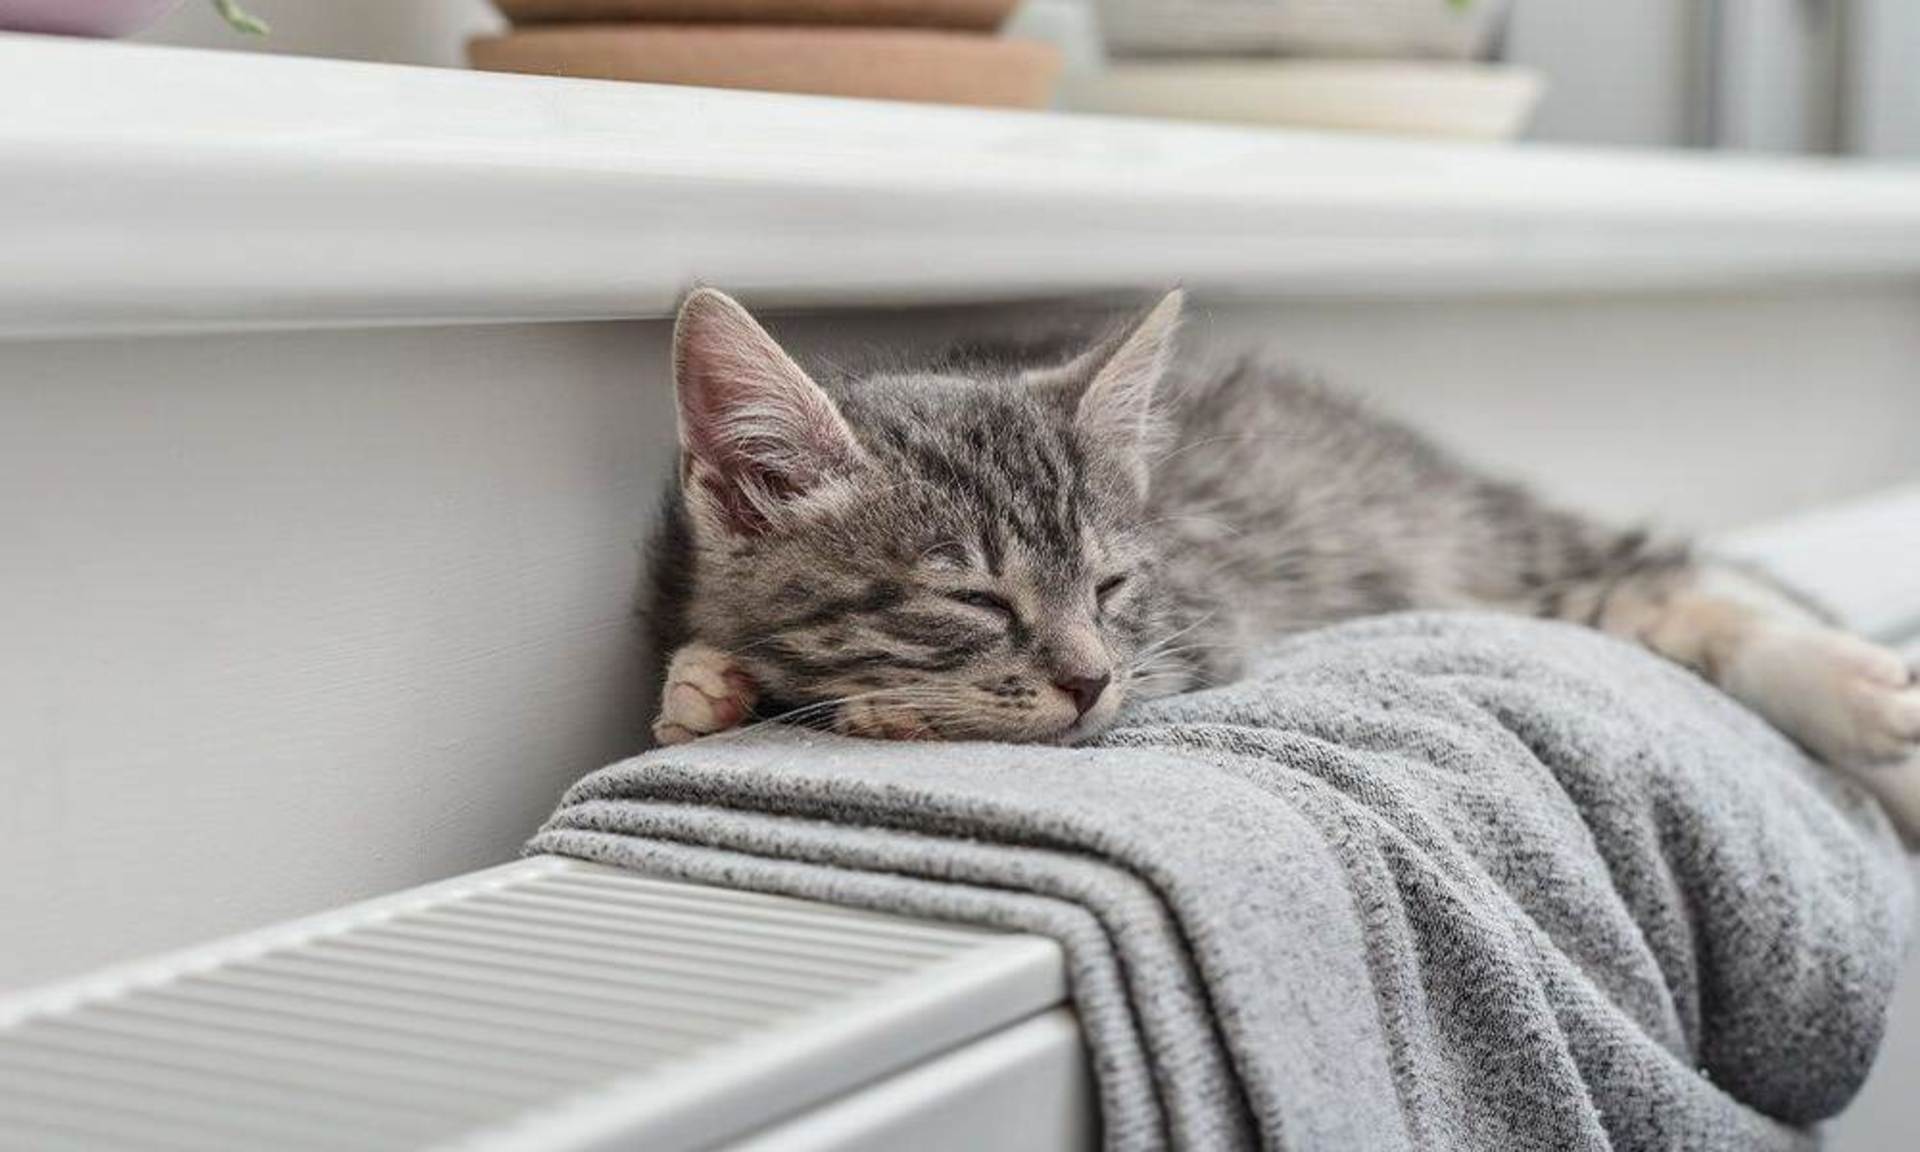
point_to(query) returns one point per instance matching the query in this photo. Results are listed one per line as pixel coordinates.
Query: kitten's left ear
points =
(1115, 405)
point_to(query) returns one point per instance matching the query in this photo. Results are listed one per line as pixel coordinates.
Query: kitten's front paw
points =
(705, 692)
(1852, 702)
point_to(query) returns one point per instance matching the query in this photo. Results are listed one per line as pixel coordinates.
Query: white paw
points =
(1850, 701)
(705, 692)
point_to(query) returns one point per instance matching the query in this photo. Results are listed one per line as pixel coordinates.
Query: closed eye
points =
(1108, 587)
(985, 601)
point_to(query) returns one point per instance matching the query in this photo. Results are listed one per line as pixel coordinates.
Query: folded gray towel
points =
(1421, 882)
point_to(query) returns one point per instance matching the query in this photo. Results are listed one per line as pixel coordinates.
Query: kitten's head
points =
(941, 554)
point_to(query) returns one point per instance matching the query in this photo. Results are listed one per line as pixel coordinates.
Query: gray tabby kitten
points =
(1012, 551)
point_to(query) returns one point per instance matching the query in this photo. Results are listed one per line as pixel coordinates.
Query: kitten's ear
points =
(1115, 405)
(757, 437)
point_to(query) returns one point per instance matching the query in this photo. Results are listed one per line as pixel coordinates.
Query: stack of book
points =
(1400, 66)
(942, 51)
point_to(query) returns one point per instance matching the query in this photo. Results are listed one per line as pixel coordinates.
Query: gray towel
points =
(1421, 882)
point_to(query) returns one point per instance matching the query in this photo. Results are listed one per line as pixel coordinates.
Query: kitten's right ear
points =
(756, 435)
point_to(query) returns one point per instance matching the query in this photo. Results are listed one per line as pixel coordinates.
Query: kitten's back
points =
(1288, 504)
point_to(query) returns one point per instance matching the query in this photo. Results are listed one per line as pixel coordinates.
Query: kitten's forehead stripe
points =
(1019, 636)
(927, 629)
(996, 556)
(880, 595)
(875, 597)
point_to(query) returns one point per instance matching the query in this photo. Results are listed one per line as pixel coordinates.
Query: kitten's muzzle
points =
(1084, 691)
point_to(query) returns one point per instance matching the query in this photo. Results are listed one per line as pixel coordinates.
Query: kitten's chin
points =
(1063, 735)
(1076, 735)
(1087, 727)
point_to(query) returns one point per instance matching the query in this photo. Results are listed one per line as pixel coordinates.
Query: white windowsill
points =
(155, 189)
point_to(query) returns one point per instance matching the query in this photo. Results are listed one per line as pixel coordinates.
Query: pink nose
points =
(1084, 690)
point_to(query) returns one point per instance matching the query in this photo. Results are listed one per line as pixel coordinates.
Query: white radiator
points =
(550, 1004)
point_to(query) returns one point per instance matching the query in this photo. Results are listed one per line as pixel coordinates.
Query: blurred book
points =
(866, 62)
(1476, 101)
(975, 15)
(1374, 29)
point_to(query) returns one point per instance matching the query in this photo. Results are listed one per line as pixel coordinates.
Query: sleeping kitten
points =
(1012, 551)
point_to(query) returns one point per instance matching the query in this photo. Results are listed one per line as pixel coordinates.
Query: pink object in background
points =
(81, 17)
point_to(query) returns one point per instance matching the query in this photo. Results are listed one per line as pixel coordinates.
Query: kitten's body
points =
(976, 550)
(1284, 505)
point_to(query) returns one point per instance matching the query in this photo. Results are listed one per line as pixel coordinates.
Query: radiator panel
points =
(547, 1004)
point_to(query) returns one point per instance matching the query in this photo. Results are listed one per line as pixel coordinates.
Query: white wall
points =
(291, 619)
(1704, 414)
(1617, 73)
(1883, 117)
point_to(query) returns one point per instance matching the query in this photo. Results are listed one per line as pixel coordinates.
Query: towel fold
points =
(1424, 882)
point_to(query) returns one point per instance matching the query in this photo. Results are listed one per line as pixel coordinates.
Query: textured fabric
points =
(1421, 882)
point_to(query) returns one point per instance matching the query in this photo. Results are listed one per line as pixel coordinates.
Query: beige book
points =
(872, 63)
(979, 15)
(1479, 101)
